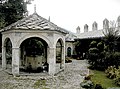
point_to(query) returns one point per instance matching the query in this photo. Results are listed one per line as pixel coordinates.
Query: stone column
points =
(62, 64)
(15, 61)
(3, 58)
(51, 56)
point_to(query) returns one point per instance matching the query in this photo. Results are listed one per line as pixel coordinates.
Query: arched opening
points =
(33, 55)
(8, 53)
(59, 52)
(69, 51)
(0, 48)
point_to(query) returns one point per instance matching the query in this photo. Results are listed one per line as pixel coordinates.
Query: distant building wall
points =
(71, 45)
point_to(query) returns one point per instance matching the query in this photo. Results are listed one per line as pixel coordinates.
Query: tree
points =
(79, 48)
(111, 36)
(12, 11)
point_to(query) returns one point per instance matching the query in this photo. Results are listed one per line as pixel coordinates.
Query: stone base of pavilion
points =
(24, 73)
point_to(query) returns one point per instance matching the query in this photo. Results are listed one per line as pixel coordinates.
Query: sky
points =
(69, 14)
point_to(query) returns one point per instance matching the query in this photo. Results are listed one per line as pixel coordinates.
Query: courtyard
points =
(70, 78)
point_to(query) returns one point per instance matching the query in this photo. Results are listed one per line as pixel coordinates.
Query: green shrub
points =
(116, 59)
(100, 58)
(87, 83)
(88, 77)
(97, 60)
(117, 79)
(100, 46)
(114, 73)
(92, 58)
(98, 86)
(112, 59)
(93, 50)
(106, 48)
(93, 44)
(111, 72)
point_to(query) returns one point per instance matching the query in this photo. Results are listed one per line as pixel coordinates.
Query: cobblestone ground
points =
(70, 78)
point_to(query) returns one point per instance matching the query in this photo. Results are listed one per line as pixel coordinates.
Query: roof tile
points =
(34, 21)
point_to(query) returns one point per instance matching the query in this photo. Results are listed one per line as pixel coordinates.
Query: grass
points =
(40, 84)
(99, 77)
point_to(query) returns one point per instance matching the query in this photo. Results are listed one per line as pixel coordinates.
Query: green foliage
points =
(34, 46)
(93, 53)
(12, 11)
(100, 46)
(93, 50)
(117, 80)
(111, 36)
(40, 83)
(112, 59)
(98, 86)
(103, 55)
(96, 55)
(78, 48)
(87, 83)
(92, 59)
(93, 44)
(113, 88)
(100, 58)
(99, 77)
(113, 73)
(106, 48)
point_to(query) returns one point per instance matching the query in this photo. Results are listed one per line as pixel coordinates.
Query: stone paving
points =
(70, 78)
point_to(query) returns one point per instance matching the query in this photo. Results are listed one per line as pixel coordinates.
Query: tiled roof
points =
(90, 34)
(70, 37)
(35, 22)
